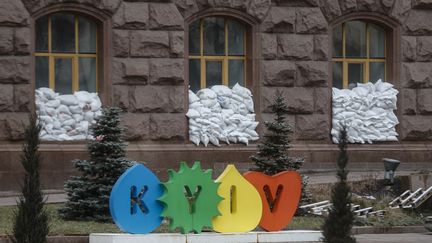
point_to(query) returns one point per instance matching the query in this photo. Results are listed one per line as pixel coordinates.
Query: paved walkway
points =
(395, 238)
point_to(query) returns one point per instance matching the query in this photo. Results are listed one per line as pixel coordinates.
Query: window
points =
(66, 53)
(217, 53)
(359, 53)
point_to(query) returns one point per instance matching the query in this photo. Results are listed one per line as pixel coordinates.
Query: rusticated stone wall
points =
(147, 66)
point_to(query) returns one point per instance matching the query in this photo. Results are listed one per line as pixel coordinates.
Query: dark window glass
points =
(194, 74)
(236, 72)
(376, 41)
(87, 74)
(214, 36)
(63, 75)
(42, 34)
(355, 39)
(337, 75)
(63, 32)
(236, 34)
(376, 71)
(355, 74)
(337, 42)
(86, 35)
(194, 38)
(42, 74)
(213, 73)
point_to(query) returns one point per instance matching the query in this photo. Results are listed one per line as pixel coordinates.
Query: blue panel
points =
(133, 201)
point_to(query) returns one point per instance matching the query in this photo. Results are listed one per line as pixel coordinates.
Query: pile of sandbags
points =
(66, 117)
(220, 114)
(366, 111)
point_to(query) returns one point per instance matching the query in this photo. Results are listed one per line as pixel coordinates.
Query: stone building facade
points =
(143, 70)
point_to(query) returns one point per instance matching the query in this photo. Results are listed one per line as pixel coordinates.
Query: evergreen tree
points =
(31, 219)
(338, 224)
(272, 156)
(88, 194)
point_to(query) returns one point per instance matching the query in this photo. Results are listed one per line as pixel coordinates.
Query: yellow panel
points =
(241, 209)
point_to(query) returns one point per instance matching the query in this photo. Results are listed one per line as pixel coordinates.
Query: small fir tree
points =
(31, 218)
(273, 154)
(88, 194)
(338, 224)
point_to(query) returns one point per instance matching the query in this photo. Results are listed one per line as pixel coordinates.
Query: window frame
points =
(365, 61)
(75, 56)
(223, 58)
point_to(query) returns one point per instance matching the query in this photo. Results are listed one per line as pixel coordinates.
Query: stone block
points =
(150, 44)
(120, 43)
(290, 236)
(176, 43)
(416, 128)
(132, 15)
(409, 48)
(135, 238)
(15, 124)
(422, 4)
(14, 69)
(157, 99)
(6, 40)
(279, 73)
(400, 10)
(166, 71)
(312, 127)
(295, 47)
(298, 3)
(322, 100)
(310, 21)
(269, 46)
(424, 48)
(130, 71)
(13, 13)
(258, 8)
(23, 97)
(22, 41)
(165, 16)
(6, 97)
(168, 126)
(416, 24)
(321, 48)
(299, 100)
(369, 5)
(416, 75)
(279, 19)
(424, 101)
(348, 6)
(331, 9)
(312, 73)
(136, 125)
(216, 238)
(120, 97)
(409, 101)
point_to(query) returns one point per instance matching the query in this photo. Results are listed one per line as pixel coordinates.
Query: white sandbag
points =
(62, 109)
(88, 116)
(48, 93)
(194, 139)
(242, 91)
(68, 100)
(192, 113)
(75, 109)
(193, 97)
(206, 94)
(366, 111)
(83, 96)
(205, 139)
(70, 123)
(222, 90)
(53, 103)
(95, 105)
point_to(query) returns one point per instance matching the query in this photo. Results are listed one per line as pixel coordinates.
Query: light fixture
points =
(390, 166)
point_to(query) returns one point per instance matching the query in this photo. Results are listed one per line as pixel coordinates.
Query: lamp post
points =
(390, 166)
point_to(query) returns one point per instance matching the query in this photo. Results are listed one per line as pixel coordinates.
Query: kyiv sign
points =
(191, 200)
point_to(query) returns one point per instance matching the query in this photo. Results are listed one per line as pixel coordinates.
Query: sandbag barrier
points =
(221, 114)
(366, 111)
(66, 117)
